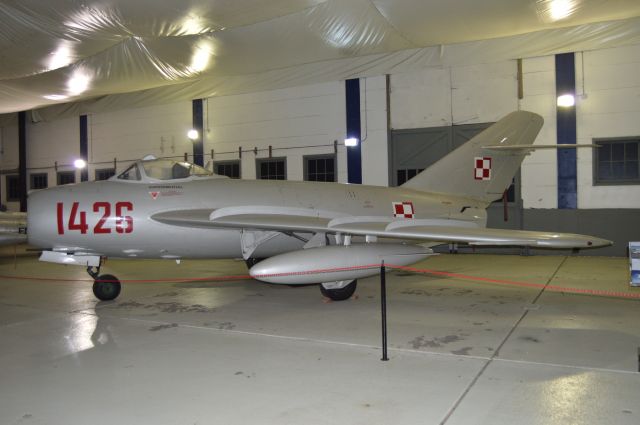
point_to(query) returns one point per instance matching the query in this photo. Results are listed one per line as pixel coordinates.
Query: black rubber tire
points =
(250, 262)
(106, 287)
(340, 294)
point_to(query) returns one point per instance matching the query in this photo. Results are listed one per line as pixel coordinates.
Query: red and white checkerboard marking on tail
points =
(482, 169)
(403, 209)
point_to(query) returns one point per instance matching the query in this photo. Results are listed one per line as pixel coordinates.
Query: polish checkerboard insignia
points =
(482, 169)
(403, 209)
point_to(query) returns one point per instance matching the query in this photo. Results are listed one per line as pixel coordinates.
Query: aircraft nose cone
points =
(598, 243)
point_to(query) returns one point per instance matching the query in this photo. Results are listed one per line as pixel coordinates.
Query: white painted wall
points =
(436, 97)
(483, 93)
(609, 107)
(539, 176)
(51, 142)
(373, 124)
(295, 118)
(131, 134)
(421, 99)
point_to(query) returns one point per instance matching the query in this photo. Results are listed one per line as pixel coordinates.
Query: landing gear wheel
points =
(340, 294)
(250, 262)
(106, 287)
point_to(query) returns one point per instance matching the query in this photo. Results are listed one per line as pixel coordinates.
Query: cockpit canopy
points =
(162, 170)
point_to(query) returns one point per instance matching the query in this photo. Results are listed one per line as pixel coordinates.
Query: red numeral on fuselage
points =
(124, 223)
(106, 207)
(78, 219)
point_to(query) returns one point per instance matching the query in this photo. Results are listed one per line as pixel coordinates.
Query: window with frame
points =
(227, 168)
(105, 173)
(13, 188)
(320, 168)
(616, 161)
(66, 177)
(271, 169)
(39, 181)
(404, 175)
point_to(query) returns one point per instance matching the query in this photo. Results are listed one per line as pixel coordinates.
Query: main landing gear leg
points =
(106, 287)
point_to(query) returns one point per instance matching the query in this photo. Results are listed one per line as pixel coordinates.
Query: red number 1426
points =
(78, 219)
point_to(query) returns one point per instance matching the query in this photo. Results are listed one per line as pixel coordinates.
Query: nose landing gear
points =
(106, 287)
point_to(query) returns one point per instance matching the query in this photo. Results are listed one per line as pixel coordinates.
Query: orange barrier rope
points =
(552, 288)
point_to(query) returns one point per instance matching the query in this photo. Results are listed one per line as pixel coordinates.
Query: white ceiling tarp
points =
(89, 57)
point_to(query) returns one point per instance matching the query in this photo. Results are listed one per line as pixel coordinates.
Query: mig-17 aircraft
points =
(289, 232)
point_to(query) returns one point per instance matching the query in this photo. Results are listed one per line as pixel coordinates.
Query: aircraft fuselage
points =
(113, 218)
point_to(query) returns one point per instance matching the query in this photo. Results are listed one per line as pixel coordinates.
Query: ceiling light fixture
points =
(61, 57)
(556, 10)
(201, 58)
(79, 82)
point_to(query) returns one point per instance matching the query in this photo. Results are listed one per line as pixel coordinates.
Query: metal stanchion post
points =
(383, 306)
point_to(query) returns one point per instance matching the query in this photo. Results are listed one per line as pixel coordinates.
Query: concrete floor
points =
(461, 352)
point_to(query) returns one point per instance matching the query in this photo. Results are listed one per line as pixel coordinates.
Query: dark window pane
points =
(273, 169)
(617, 160)
(631, 152)
(617, 152)
(604, 171)
(320, 169)
(13, 188)
(67, 177)
(402, 176)
(631, 171)
(105, 174)
(617, 170)
(604, 152)
(229, 169)
(39, 181)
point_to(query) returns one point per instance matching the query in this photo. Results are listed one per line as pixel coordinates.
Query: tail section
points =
(476, 172)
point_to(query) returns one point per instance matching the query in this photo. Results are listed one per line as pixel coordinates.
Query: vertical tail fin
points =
(479, 173)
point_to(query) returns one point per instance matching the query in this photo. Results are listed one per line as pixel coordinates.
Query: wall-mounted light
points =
(193, 134)
(79, 163)
(566, 100)
(351, 141)
(556, 10)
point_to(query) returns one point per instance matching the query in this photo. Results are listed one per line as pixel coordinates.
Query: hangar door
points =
(413, 150)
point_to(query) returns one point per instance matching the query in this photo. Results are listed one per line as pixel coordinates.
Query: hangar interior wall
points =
(294, 122)
(306, 120)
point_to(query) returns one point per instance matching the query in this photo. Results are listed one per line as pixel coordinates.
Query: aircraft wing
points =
(292, 220)
(12, 228)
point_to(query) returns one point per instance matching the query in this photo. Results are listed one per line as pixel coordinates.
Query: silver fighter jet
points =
(289, 232)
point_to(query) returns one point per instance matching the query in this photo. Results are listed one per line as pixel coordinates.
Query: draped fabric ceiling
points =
(83, 56)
